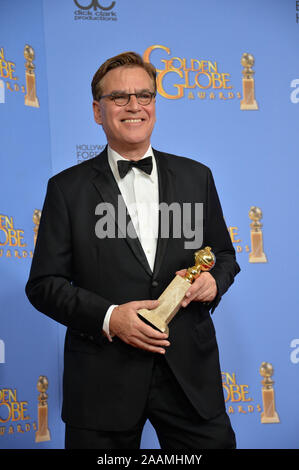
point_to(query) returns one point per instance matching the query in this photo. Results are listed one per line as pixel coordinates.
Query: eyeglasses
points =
(122, 99)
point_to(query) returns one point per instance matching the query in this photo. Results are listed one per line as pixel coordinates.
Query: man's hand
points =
(203, 289)
(125, 323)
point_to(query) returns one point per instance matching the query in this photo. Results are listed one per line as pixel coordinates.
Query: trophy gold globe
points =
(30, 97)
(29, 54)
(269, 415)
(42, 434)
(266, 370)
(248, 102)
(255, 213)
(247, 61)
(257, 254)
(204, 261)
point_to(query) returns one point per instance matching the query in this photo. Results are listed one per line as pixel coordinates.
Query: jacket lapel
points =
(166, 195)
(107, 187)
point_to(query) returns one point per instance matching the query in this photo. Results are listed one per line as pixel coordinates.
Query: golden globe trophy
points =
(248, 101)
(257, 254)
(269, 415)
(36, 220)
(30, 97)
(42, 434)
(170, 300)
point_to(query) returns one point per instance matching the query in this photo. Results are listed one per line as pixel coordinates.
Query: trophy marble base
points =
(42, 437)
(257, 259)
(169, 304)
(269, 415)
(248, 102)
(33, 104)
(270, 419)
(42, 434)
(257, 254)
(31, 98)
(252, 106)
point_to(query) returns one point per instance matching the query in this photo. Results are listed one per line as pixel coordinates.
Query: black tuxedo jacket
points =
(75, 276)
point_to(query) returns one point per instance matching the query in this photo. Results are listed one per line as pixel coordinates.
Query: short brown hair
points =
(127, 59)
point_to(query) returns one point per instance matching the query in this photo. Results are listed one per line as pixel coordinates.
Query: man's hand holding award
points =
(170, 300)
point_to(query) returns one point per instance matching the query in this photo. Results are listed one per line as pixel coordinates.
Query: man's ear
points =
(97, 112)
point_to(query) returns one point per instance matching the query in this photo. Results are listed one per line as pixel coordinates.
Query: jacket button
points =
(155, 284)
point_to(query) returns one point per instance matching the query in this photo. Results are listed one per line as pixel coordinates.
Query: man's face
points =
(128, 128)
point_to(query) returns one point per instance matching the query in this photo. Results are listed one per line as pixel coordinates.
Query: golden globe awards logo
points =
(254, 248)
(237, 396)
(12, 242)
(239, 401)
(196, 78)
(200, 78)
(14, 413)
(95, 10)
(12, 238)
(8, 78)
(10, 82)
(14, 416)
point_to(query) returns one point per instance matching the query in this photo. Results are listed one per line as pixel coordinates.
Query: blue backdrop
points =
(253, 156)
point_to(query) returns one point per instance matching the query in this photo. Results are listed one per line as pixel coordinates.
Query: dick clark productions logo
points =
(95, 4)
(94, 10)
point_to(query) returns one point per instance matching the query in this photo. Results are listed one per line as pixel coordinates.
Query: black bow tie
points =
(146, 165)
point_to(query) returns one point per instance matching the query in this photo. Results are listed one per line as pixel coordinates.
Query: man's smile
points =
(132, 120)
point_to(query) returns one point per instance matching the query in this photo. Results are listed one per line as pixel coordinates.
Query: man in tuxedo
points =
(118, 370)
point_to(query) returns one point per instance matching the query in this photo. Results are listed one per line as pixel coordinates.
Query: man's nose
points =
(133, 104)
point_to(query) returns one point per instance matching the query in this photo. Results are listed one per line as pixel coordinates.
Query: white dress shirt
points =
(140, 192)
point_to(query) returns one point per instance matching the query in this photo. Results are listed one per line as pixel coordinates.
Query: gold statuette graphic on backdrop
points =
(36, 220)
(257, 254)
(170, 300)
(248, 102)
(269, 415)
(42, 434)
(30, 97)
